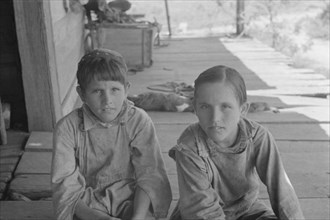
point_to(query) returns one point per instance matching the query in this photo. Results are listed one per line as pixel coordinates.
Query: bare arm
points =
(141, 205)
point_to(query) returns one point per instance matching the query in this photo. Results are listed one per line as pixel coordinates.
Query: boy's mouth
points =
(109, 110)
(217, 128)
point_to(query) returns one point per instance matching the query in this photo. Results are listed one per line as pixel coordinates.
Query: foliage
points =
(273, 22)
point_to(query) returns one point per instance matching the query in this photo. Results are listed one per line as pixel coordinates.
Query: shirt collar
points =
(90, 120)
(245, 134)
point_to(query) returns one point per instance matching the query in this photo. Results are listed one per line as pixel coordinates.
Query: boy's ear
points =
(128, 85)
(80, 93)
(245, 108)
(193, 103)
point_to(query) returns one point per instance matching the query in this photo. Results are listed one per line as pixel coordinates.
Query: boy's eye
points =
(204, 106)
(226, 106)
(115, 89)
(97, 91)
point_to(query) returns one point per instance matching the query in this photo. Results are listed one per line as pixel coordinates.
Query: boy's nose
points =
(216, 115)
(107, 98)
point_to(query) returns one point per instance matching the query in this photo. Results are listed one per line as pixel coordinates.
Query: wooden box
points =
(133, 41)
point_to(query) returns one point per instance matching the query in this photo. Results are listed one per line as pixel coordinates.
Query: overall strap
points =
(80, 141)
(124, 119)
(204, 152)
(201, 148)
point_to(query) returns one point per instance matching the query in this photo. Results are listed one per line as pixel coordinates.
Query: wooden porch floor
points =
(301, 128)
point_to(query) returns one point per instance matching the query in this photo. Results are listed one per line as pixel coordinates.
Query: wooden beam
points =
(239, 16)
(168, 18)
(39, 72)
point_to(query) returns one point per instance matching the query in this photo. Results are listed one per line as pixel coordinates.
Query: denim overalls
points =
(103, 163)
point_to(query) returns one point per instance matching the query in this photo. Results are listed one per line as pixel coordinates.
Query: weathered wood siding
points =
(50, 38)
(68, 29)
(39, 72)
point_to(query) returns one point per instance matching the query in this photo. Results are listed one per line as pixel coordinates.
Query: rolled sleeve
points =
(271, 171)
(198, 200)
(66, 180)
(149, 167)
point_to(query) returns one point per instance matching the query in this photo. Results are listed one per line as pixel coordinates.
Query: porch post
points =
(37, 54)
(239, 16)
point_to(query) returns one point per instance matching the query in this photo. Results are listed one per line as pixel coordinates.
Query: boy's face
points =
(218, 111)
(104, 98)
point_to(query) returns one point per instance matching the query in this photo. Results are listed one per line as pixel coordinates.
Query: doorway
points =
(11, 83)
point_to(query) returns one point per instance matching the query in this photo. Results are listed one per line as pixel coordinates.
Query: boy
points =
(221, 158)
(107, 162)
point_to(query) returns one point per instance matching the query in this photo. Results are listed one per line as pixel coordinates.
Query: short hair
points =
(224, 74)
(101, 64)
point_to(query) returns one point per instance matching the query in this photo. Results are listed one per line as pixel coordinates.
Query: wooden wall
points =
(50, 39)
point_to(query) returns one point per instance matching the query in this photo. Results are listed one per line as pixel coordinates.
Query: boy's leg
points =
(259, 211)
(175, 215)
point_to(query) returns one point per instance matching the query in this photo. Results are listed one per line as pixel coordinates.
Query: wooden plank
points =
(288, 132)
(313, 208)
(7, 167)
(264, 68)
(193, 57)
(11, 151)
(310, 182)
(188, 45)
(34, 163)
(298, 132)
(5, 176)
(186, 71)
(168, 136)
(8, 160)
(2, 186)
(36, 48)
(40, 141)
(134, 43)
(32, 186)
(283, 146)
(303, 146)
(261, 117)
(16, 137)
(19, 210)
(172, 117)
